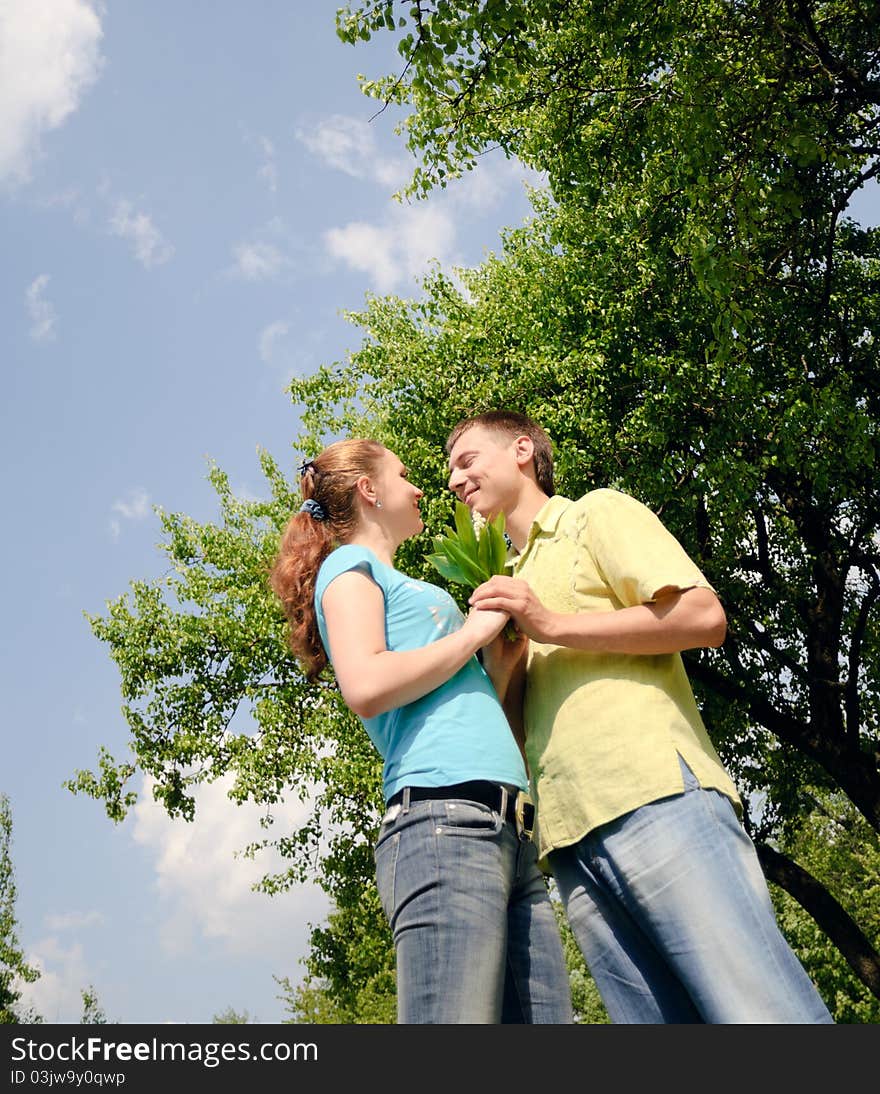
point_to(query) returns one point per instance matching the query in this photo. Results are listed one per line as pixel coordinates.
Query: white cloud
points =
(205, 891)
(244, 492)
(490, 183)
(74, 921)
(49, 55)
(409, 236)
(151, 248)
(203, 894)
(349, 144)
(69, 199)
(270, 336)
(40, 310)
(268, 171)
(258, 261)
(401, 248)
(56, 996)
(134, 506)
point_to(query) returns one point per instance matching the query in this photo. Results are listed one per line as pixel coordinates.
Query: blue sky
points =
(190, 194)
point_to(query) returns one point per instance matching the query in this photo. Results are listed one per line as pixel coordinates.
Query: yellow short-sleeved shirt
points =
(603, 730)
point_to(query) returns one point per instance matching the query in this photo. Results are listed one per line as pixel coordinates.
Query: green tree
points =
(231, 1017)
(693, 318)
(842, 851)
(93, 1013)
(14, 970)
(585, 999)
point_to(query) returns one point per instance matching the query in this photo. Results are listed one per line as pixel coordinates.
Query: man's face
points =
(483, 470)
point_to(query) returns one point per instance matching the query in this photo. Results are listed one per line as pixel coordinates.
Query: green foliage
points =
(835, 844)
(231, 1017)
(314, 1003)
(350, 971)
(14, 970)
(472, 552)
(211, 689)
(467, 556)
(93, 1013)
(589, 1010)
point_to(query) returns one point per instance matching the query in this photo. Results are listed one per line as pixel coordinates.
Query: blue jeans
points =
(671, 911)
(475, 936)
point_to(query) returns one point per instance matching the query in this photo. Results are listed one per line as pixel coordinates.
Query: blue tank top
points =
(456, 732)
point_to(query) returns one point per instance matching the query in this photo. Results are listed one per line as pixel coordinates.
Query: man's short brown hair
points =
(511, 424)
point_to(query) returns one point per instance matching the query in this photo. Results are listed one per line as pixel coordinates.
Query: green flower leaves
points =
(473, 551)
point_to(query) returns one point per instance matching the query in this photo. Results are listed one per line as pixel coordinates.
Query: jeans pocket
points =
(468, 818)
(385, 857)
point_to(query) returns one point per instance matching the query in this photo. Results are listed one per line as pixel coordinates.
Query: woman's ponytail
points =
(327, 518)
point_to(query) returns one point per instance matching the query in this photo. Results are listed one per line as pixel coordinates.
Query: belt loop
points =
(503, 802)
(404, 803)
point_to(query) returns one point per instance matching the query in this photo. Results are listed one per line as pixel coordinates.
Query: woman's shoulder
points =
(347, 556)
(350, 556)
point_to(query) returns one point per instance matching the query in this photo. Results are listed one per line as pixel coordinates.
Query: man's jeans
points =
(474, 930)
(671, 911)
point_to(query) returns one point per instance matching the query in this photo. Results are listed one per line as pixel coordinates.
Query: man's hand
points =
(504, 656)
(676, 620)
(516, 597)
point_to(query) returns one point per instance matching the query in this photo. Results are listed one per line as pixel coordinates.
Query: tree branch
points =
(831, 917)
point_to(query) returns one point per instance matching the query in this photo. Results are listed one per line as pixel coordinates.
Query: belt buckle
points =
(523, 829)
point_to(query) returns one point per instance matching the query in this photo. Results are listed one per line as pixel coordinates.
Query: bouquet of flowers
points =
(472, 552)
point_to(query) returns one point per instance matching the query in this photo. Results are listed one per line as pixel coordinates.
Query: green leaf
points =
(464, 523)
(476, 575)
(447, 568)
(485, 552)
(499, 559)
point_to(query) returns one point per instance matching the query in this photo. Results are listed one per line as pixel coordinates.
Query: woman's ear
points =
(364, 489)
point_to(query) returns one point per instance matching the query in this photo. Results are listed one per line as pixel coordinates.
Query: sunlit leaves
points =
(467, 557)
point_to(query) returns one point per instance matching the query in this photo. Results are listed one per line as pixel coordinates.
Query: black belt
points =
(514, 805)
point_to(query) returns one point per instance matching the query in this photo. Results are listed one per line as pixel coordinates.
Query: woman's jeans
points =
(671, 911)
(475, 935)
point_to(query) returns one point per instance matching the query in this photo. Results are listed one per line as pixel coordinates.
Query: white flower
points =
(479, 522)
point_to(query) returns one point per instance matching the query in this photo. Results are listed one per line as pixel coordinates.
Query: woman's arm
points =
(374, 679)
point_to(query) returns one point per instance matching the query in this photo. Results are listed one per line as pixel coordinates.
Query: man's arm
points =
(504, 659)
(677, 619)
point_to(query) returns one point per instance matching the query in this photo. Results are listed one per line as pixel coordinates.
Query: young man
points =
(637, 817)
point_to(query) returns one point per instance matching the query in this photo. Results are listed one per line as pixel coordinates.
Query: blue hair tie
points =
(314, 508)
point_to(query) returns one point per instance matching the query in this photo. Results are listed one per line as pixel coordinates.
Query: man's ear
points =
(524, 451)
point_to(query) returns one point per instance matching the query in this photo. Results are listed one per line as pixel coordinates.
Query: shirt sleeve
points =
(638, 556)
(341, 561)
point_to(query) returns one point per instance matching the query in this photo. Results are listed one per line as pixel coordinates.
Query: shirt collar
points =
(545, 520)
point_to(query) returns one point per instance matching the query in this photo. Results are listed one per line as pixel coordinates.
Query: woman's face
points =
(399, 497)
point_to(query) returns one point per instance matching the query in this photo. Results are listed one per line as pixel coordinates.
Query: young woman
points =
(474, 931)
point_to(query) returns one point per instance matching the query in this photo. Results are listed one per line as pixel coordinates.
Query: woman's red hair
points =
(330, 480)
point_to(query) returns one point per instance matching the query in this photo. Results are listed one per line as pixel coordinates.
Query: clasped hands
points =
(518, 600)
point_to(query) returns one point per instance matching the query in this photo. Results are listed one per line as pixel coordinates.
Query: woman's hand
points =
(484, 625)
(518, 599)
